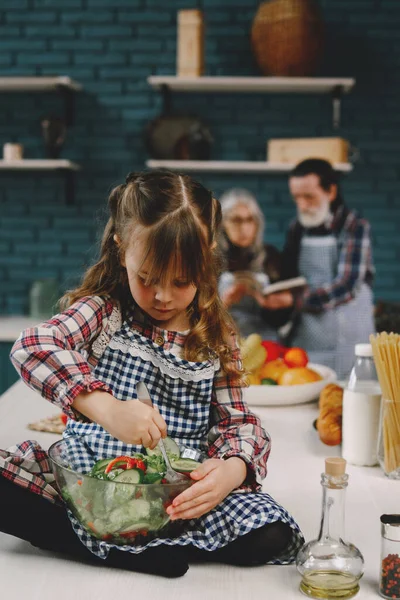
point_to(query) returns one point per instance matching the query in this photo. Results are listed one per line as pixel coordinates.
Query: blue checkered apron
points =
(182, 391)
(330, 336)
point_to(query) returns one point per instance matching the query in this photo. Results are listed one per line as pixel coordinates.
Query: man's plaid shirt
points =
(354, 266)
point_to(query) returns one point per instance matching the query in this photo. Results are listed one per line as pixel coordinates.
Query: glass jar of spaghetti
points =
(386, 351)
(389, 438)
(389, 585)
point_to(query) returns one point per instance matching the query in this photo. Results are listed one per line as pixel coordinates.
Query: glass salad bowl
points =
(121, 500)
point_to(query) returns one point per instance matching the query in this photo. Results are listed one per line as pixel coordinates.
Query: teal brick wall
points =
(8, 374)
(111, 46)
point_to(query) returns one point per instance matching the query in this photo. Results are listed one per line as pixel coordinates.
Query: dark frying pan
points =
(177, 136)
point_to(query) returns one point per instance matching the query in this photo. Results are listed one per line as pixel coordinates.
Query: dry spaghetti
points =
(386, 351)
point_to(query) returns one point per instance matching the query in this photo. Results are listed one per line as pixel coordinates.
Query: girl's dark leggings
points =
(34, 519)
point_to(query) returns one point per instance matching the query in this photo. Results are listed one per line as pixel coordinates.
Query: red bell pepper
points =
(132, 534)
(127, 462)
(140, 464)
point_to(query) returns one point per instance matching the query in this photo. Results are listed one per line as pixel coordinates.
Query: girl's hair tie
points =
(131, 177)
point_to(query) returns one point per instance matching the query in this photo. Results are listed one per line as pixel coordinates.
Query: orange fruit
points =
(273, 369)
(295, 357)
(298, 376)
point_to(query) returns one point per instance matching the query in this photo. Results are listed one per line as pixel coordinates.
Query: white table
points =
(11, 326)
(296, 461)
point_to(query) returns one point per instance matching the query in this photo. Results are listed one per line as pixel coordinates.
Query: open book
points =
(255, 282)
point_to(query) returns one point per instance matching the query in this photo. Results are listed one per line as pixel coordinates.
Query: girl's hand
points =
(131, 422)
(275, 301)
(234, 294)
(215, 479)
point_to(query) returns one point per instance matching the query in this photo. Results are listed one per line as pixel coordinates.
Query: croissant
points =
(329, 422)
(331, 396)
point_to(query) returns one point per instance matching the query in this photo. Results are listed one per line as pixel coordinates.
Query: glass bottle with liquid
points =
(329, 566)
(361, 410)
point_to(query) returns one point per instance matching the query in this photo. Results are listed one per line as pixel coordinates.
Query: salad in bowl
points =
(121, 499)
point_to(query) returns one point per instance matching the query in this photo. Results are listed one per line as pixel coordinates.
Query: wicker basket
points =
(287, 37)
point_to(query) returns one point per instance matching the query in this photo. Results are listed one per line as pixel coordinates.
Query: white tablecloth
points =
(295, 465)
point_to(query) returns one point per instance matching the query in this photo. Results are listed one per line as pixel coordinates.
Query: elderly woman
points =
(245, 254)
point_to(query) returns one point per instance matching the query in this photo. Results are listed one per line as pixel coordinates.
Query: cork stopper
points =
(335, 466)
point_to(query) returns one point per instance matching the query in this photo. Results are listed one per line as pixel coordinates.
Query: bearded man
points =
(330, 246)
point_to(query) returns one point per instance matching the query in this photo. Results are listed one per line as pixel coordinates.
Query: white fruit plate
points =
(281, 395)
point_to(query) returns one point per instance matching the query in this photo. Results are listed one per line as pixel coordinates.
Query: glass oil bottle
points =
(330, 567)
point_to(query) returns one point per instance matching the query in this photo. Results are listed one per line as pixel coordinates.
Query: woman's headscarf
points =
(256, 252)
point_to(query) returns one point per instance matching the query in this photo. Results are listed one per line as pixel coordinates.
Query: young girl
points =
(149, 311)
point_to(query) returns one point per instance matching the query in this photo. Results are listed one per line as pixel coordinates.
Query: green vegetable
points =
(155, 464)
(184, 465)
(152, 478)
(130, 476)
(171, 448)
(268, 381)
(101, 465)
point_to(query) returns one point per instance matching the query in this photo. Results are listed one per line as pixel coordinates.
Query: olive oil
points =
(329, 584)
(329, 566)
